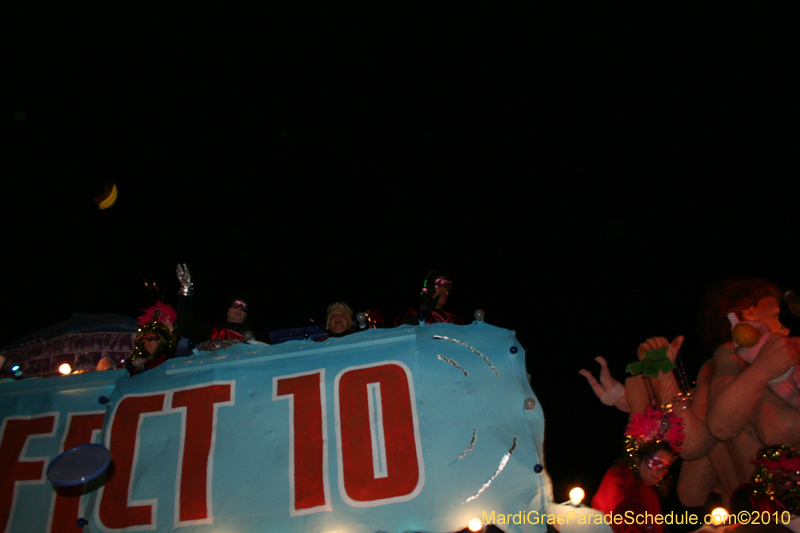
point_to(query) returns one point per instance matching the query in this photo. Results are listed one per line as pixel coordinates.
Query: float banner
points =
(40, 419)
(408, 429)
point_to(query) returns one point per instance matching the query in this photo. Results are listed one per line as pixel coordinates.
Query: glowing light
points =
(65, 369)
(719, 516)
(475, 525)
(576, 496)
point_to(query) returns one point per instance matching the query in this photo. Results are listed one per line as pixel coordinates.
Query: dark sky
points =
(584, 174)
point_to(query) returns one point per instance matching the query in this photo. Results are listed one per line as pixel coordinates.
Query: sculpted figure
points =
(743, 412)
(733, 413)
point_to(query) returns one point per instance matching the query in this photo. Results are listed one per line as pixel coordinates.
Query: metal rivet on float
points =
(513, 349)
(102, 400)
(538, 468)
(479, 314)
(81, 522)
(530, 403)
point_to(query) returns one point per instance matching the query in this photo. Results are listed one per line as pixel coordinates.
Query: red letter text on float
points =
(197, 447)
(114, 510)
(16, 432)
(380, 457)
(80, 430)
(308, 446)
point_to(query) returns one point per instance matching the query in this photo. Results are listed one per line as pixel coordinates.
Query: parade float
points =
(416, 428)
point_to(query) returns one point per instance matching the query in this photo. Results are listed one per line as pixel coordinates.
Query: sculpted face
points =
(768, 311)
(655, 467)
(237, 312)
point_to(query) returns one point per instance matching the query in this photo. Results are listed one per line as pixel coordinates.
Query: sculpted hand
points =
(185, 278)
(655, 343)
(778, 355)
(609, 390)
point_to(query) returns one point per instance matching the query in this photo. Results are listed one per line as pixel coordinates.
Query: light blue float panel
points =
(407, 429)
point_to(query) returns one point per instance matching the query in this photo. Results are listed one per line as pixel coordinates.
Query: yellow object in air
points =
(110, 199)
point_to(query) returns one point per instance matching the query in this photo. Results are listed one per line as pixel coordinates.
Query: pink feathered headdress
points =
(654, 426)
(160, 312)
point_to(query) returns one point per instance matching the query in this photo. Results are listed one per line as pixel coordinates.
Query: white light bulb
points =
(719, 516)
(576, 496)
(475, 525)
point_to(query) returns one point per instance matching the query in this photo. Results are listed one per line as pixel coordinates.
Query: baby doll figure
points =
(749, 336)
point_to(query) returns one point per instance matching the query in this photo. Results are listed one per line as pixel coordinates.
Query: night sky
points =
(583, 174)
